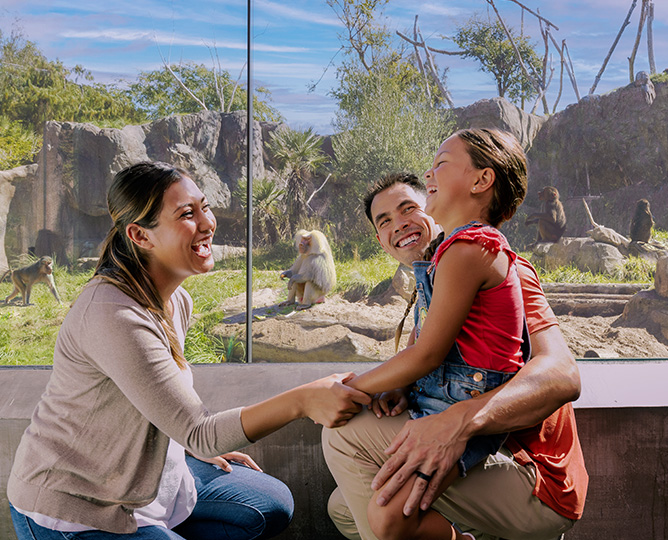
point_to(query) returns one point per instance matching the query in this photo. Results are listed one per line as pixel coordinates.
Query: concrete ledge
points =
(622, 419)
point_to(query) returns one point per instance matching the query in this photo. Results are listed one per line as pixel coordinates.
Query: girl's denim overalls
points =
(454, 380)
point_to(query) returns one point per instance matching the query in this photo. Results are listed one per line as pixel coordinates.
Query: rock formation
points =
(610, 148)
(58, 205)
(501, 114)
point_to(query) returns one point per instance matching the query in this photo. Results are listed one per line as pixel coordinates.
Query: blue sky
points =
(294, 41)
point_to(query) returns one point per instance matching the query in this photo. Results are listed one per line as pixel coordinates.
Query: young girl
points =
(469, 331)
(104, 456)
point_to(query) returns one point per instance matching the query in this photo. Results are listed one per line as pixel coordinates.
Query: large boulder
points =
(583, 253)
(500, 113)
(16, 185)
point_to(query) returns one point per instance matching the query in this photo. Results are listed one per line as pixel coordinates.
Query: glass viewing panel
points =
(344, 93)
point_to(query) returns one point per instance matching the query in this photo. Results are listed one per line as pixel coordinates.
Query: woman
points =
(104, 454)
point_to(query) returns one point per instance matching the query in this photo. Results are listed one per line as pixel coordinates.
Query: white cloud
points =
(160, 38)
(299, 14)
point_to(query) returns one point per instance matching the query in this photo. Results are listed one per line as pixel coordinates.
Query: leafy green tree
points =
(158, 93)
(34, 89)
(299, 155)
(18, 145)
(488, 43)
(386, 120)
(385, 123)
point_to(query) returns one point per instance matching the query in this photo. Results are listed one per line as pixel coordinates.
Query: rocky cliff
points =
(58, 205)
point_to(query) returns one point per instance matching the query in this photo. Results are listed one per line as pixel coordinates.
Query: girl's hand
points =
(223, 461)
(390, 403)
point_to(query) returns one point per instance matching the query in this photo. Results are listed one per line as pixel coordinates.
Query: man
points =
(534, 488)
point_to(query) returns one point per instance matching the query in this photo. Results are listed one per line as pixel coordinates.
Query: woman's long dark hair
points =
(136, 196)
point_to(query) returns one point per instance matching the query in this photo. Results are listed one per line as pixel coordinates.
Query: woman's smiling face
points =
(180, 245)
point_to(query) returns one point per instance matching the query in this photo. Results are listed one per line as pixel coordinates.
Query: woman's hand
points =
(223, 461)
(328, 401)
(390, 403)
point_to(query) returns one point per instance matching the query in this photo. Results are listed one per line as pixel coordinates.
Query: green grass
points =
(634, 270)
(28, 334)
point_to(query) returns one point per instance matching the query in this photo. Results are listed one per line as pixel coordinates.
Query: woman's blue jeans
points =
(241, 505)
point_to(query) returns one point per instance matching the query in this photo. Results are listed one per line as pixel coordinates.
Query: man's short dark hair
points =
(388, 181)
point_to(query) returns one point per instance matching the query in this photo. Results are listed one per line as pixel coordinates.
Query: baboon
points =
(313, 274)
(642, 222)
(24, 279)
(552, 220)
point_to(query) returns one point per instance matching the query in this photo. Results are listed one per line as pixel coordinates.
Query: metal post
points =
(249, 187)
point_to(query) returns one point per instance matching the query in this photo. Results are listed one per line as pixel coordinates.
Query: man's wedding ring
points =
(426, 477)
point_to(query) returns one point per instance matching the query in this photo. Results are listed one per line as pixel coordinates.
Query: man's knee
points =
(341, 515)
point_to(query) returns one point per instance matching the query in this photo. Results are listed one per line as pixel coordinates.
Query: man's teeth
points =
(408, 240)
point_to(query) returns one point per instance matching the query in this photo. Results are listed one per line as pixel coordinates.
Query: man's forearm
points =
(548, 381)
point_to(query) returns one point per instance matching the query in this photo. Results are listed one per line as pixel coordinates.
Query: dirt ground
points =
(339, 330)
(599, 333)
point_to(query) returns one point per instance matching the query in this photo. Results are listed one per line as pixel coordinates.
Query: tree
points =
(18, 145)
(361, 36)
(385, 123)
(34, 89)
(159, 93)
(390, 117)
(488, 43)
(299, 155)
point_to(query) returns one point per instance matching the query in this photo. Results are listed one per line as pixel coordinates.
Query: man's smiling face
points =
(403, 228)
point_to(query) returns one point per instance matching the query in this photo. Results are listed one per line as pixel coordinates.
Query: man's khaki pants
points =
(494, 501)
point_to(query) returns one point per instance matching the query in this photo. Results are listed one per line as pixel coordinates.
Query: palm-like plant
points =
(298, 154)
(268, 219)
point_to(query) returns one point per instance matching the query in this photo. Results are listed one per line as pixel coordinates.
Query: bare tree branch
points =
(316, 191)
(626, 22)
(434, 74)
(419, 60)
(548, 23)
(568, 65)
(571, 71)
(215, 60)
(432, 49)
(541, 94)
(636, 43)
(181, 83)
(561, 75)
(650, 37)
(236, 85)
(535, 79)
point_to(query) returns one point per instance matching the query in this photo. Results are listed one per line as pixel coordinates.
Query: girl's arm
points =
(327, 401)
(464, 269)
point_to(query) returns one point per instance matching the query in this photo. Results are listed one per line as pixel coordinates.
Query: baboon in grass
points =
(25, 278)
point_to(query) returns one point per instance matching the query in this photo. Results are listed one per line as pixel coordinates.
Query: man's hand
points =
(431, 445)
